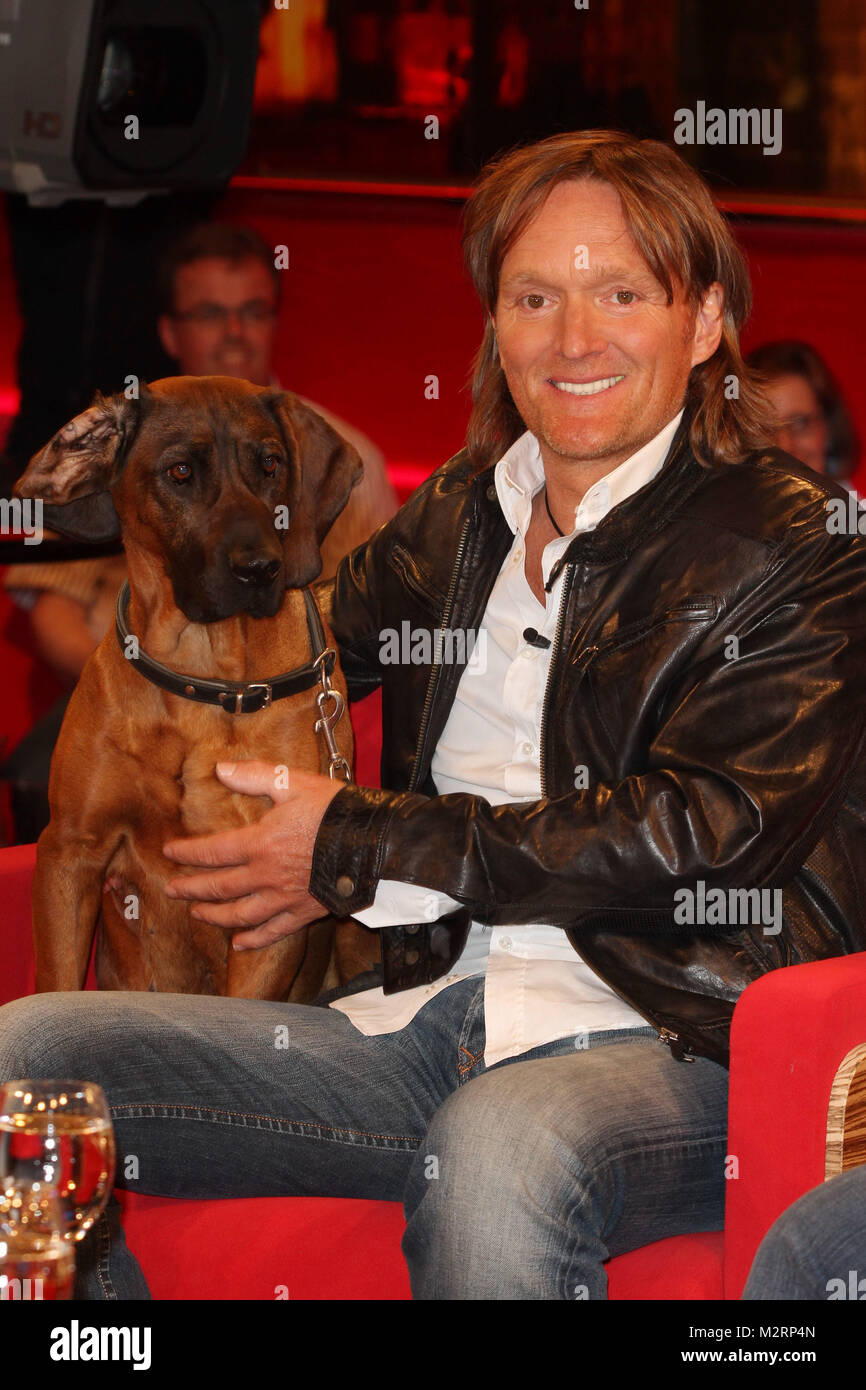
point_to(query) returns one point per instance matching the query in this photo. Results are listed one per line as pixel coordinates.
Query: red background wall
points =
(378, 285)
(375, 300)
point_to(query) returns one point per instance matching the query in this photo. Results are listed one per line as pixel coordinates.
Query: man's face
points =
(223, 321)
(596, 360)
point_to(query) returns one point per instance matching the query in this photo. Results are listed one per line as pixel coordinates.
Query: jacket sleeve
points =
(747, 765)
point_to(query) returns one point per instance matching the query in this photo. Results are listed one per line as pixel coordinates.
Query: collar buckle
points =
(240, 695)
(261, 685)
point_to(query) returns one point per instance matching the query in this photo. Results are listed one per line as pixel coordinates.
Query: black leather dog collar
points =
(235, 697)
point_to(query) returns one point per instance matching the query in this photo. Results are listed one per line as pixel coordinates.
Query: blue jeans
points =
(817, 1248)
(517, 1181)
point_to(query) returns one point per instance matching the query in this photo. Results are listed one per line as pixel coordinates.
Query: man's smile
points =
(586, 388)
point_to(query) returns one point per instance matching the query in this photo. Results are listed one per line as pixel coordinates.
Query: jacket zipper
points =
(435, 668)
(566, 589)
(665, 1035)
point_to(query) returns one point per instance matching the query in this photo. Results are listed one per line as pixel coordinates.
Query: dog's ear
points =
(74, 472)
(328, 467)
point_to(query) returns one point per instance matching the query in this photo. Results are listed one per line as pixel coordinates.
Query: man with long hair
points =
(638, 789)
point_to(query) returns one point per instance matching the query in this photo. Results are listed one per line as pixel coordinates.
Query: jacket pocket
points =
(697, 608)
(416, 578)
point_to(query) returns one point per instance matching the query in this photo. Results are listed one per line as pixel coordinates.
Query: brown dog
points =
(223, 492)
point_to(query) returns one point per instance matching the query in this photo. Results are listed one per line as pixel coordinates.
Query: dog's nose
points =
(257, 571)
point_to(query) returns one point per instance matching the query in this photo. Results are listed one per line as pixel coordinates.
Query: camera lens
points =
(157, 73)
(115, 78)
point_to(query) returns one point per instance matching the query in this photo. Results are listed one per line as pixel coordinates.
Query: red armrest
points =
(791, 1030)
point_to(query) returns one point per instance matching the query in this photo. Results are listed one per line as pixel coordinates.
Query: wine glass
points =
(36, 1261)
(59, 1133)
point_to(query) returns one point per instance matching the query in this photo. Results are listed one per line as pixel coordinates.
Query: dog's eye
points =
(270, 464)
(180, 472)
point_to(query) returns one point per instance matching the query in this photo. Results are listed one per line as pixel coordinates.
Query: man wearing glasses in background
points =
(219, 295)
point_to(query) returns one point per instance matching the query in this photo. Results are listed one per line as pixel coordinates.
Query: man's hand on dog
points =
(257, 876)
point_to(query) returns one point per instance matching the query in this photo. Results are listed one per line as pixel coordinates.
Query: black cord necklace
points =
(550, 513)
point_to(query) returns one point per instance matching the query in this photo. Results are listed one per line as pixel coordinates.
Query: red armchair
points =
(798, 1095)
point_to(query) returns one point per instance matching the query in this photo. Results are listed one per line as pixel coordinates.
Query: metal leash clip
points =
(328, 722)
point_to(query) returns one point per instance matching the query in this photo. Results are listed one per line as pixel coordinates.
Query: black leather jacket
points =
(739, 770)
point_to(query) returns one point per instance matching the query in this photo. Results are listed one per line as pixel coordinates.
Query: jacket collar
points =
(628, 524)
(519, 475)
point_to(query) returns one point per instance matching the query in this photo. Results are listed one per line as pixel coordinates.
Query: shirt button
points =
(345, 886)
(526, 747)
(505, 943)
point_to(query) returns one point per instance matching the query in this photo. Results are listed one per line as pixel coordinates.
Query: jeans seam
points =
(658, 1150)
(606, 1036)
(104, 1258)
(149, 1110)
(463, 1067)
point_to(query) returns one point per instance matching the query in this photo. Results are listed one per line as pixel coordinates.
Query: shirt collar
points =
(519, 474)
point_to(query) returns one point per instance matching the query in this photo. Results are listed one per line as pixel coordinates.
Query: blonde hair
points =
(684, 240)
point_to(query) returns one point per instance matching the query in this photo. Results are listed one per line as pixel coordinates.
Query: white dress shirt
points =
(537, 988)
